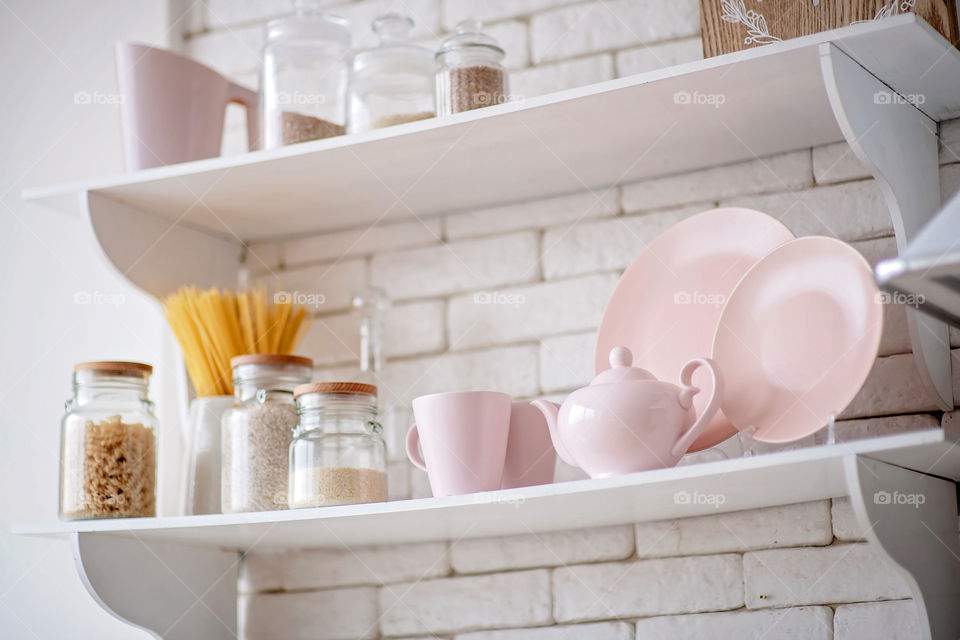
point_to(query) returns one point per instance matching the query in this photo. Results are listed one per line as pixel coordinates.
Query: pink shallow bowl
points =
(666, 306)
(797, 338)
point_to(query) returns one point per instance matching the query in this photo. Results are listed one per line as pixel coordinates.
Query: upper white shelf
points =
(725, 109)
(730, 485)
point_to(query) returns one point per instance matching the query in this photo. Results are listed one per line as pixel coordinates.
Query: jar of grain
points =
(304, 81)
(338, 455)
(256, 432)
(108, 456)
(391, 83)
(470, 73)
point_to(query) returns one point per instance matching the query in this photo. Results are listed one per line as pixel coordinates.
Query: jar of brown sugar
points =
(108, 455)
(470, 72)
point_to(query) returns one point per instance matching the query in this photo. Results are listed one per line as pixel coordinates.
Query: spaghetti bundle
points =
(213, 327)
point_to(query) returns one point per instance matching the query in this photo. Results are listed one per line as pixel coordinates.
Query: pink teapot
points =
(626, 420)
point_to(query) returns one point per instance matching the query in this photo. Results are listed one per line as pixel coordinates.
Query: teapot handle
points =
(686, 399)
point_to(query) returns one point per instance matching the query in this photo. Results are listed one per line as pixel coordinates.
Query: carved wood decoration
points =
(733, 25)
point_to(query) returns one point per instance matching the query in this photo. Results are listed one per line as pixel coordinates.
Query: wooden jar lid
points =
(334, 387)
(115, 367)
(270, 358)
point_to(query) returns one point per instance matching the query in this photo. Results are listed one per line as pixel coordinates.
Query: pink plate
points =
(666, 306)
(797, 338)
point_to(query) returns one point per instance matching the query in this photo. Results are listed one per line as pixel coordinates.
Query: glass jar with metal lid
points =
(470, 72)
(256, 432)
(338, 455)
(304, 82)
(393, 82)
(108, 456)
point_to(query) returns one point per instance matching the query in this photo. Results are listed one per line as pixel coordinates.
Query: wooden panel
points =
(734, 25)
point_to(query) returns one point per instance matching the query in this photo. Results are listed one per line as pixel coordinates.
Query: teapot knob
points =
(621, 357)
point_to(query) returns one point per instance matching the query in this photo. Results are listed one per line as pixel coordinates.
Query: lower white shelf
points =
(729, 485)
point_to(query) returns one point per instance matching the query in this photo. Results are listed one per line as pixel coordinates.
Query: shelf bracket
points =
(173, 591)
(912, 519)
(897, 143)
(158, 255)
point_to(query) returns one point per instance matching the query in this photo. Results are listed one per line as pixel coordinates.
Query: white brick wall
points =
(647, 588)
(757, 574)
(541, 550)
(461, 604)
(840, 573)
(807, 623)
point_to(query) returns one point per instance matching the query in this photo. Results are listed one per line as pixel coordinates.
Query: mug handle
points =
(413, 447)
(686, 400)
(251, 101)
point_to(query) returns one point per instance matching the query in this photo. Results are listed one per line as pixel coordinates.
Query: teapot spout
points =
(551, 412)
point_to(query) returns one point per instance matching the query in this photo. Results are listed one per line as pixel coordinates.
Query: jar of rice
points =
(256, 432)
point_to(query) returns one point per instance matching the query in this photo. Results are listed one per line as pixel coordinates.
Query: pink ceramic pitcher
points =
(173, 107)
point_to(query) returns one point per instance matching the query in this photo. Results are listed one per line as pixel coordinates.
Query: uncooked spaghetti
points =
(213, 327)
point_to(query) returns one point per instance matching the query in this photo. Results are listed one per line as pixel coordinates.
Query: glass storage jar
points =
(303, 87)
(393, 82)
(338, 455)
(256, 432)
(470, 72)
(108, 455)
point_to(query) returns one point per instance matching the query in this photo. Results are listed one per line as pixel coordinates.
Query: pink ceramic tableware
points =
(626, 420)
(666, 305)
(173, 107)
(464, 439)
(797, 338)
(531, 458)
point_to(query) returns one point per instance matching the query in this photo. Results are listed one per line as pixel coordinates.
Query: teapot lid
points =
(621, 370)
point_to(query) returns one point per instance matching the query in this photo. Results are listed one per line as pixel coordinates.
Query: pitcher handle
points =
(413, 447)
(251, 101)
(686, 399)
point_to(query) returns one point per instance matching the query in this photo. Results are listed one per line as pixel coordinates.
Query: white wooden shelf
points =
(187, 223)
(774, 101)
(744, 483)
(177, 577)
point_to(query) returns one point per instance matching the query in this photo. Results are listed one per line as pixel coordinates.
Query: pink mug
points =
(531, 458)
(464, 439)
(173, 107)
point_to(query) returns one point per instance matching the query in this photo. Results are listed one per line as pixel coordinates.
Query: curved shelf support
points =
(912, 518)
(159, 255)
(897, 143)
(171, 590)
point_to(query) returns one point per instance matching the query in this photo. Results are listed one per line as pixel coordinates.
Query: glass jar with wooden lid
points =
(256, 432)
(338, 455)
(108, 454)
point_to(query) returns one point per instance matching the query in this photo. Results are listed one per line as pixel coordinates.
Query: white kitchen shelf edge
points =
(179, 575)
(788, 477)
